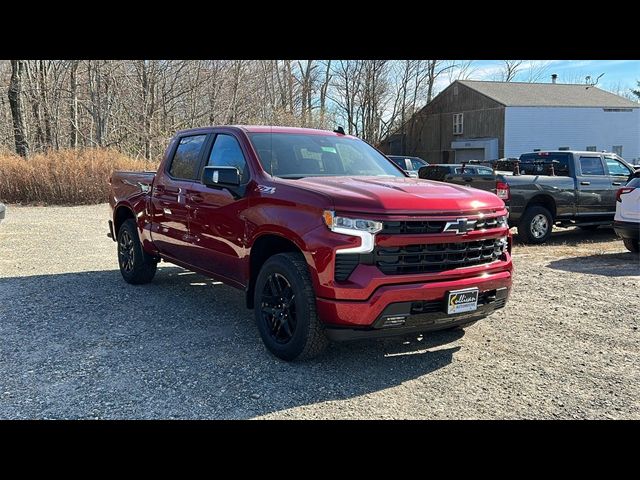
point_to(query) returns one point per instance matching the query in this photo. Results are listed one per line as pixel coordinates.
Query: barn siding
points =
(548, 128)
(430, 132)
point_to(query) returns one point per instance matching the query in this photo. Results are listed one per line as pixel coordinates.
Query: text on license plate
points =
(462, 300)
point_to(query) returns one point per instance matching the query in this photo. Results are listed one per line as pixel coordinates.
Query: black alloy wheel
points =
(126, 251)
(278, 308)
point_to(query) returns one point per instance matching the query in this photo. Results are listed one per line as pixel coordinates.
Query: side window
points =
(416, 164)
(226, 152)
(186, 160)
(591, 166)
(484, 171)
(616, 168)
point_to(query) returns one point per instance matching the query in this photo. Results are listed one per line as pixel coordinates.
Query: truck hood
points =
(400, 195)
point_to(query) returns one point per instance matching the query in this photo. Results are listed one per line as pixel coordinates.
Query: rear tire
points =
(136, 266)
(285, 309)
(536, 225)
(631, 244)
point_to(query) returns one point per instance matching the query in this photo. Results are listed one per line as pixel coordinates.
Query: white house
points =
(488, 120)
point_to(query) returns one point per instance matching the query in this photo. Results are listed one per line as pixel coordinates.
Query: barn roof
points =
(520, 94)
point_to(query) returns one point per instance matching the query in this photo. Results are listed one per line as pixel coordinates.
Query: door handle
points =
(196, 199)
(616, 183)
(159, 188)
(585, 183)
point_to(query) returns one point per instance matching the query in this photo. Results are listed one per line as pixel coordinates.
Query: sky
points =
(618, 74)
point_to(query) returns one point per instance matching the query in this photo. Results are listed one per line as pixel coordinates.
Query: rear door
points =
(618, 175)
(170, 224)
(216, 222)
(593, 186)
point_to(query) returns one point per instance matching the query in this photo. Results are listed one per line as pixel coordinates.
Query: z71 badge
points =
(265, 189)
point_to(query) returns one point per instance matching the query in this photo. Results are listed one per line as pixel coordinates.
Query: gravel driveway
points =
(76, 341)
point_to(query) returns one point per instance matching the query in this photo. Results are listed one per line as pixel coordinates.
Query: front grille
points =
(436, 257)
(420, 227)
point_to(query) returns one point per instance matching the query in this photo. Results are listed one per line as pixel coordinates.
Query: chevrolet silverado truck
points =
(563, 188)
(327, 238)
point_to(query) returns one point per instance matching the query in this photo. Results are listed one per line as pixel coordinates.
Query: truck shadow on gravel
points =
(88, 345)
(607, 264)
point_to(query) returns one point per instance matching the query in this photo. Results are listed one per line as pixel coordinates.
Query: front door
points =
(170, 224)
(593, 185)
(216, 224)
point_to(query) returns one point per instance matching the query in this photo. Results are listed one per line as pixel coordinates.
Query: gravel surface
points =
(76, 341)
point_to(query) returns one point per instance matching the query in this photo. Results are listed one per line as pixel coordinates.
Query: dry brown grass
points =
(63, 177)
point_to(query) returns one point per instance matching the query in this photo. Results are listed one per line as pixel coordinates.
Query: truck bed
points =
(127, 184)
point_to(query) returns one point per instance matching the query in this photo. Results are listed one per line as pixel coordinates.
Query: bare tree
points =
(510, 69)
(73, 105)
(537, 70)
(17, 107)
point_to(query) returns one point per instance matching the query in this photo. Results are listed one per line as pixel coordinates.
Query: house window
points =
(617, 149)
(564, 148)
(592, 148)
(457, 123)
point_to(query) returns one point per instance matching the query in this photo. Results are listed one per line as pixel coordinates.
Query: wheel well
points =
(264, 247)
(544, 201)
(122, 214)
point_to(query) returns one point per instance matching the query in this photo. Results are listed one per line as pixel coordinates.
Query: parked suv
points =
(411, 165)
(627, 219)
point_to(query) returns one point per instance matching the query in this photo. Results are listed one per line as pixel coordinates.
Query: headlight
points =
(336, 223)
(357, 227)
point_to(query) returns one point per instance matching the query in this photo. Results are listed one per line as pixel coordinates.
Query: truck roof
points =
(267, 129)
(546, 152)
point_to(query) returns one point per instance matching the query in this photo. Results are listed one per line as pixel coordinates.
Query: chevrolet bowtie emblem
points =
(461, 225)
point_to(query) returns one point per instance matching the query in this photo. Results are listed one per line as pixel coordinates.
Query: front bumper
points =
(627, 230)
(368, 315)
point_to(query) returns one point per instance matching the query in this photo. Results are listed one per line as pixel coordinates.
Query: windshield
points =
(289, 155)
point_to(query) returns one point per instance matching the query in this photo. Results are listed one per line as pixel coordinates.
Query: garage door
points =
(466, 154)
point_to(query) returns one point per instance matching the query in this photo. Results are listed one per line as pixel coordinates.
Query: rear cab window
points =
(537, 163)
(185, 164)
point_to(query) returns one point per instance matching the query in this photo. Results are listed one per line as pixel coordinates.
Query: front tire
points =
(136, 266)
(285, 309)
(535, 225)
(631, 244)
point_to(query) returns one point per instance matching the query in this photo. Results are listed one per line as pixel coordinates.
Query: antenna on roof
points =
(592, 84)
(339, 130)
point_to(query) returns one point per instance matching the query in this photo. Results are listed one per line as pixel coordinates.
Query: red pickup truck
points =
(328, 238)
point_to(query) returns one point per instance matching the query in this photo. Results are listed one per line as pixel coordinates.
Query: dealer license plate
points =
(462, 301)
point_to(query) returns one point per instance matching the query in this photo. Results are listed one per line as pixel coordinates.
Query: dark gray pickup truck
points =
(562, 188)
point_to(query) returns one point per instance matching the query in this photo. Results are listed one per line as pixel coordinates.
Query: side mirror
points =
(221, 177)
